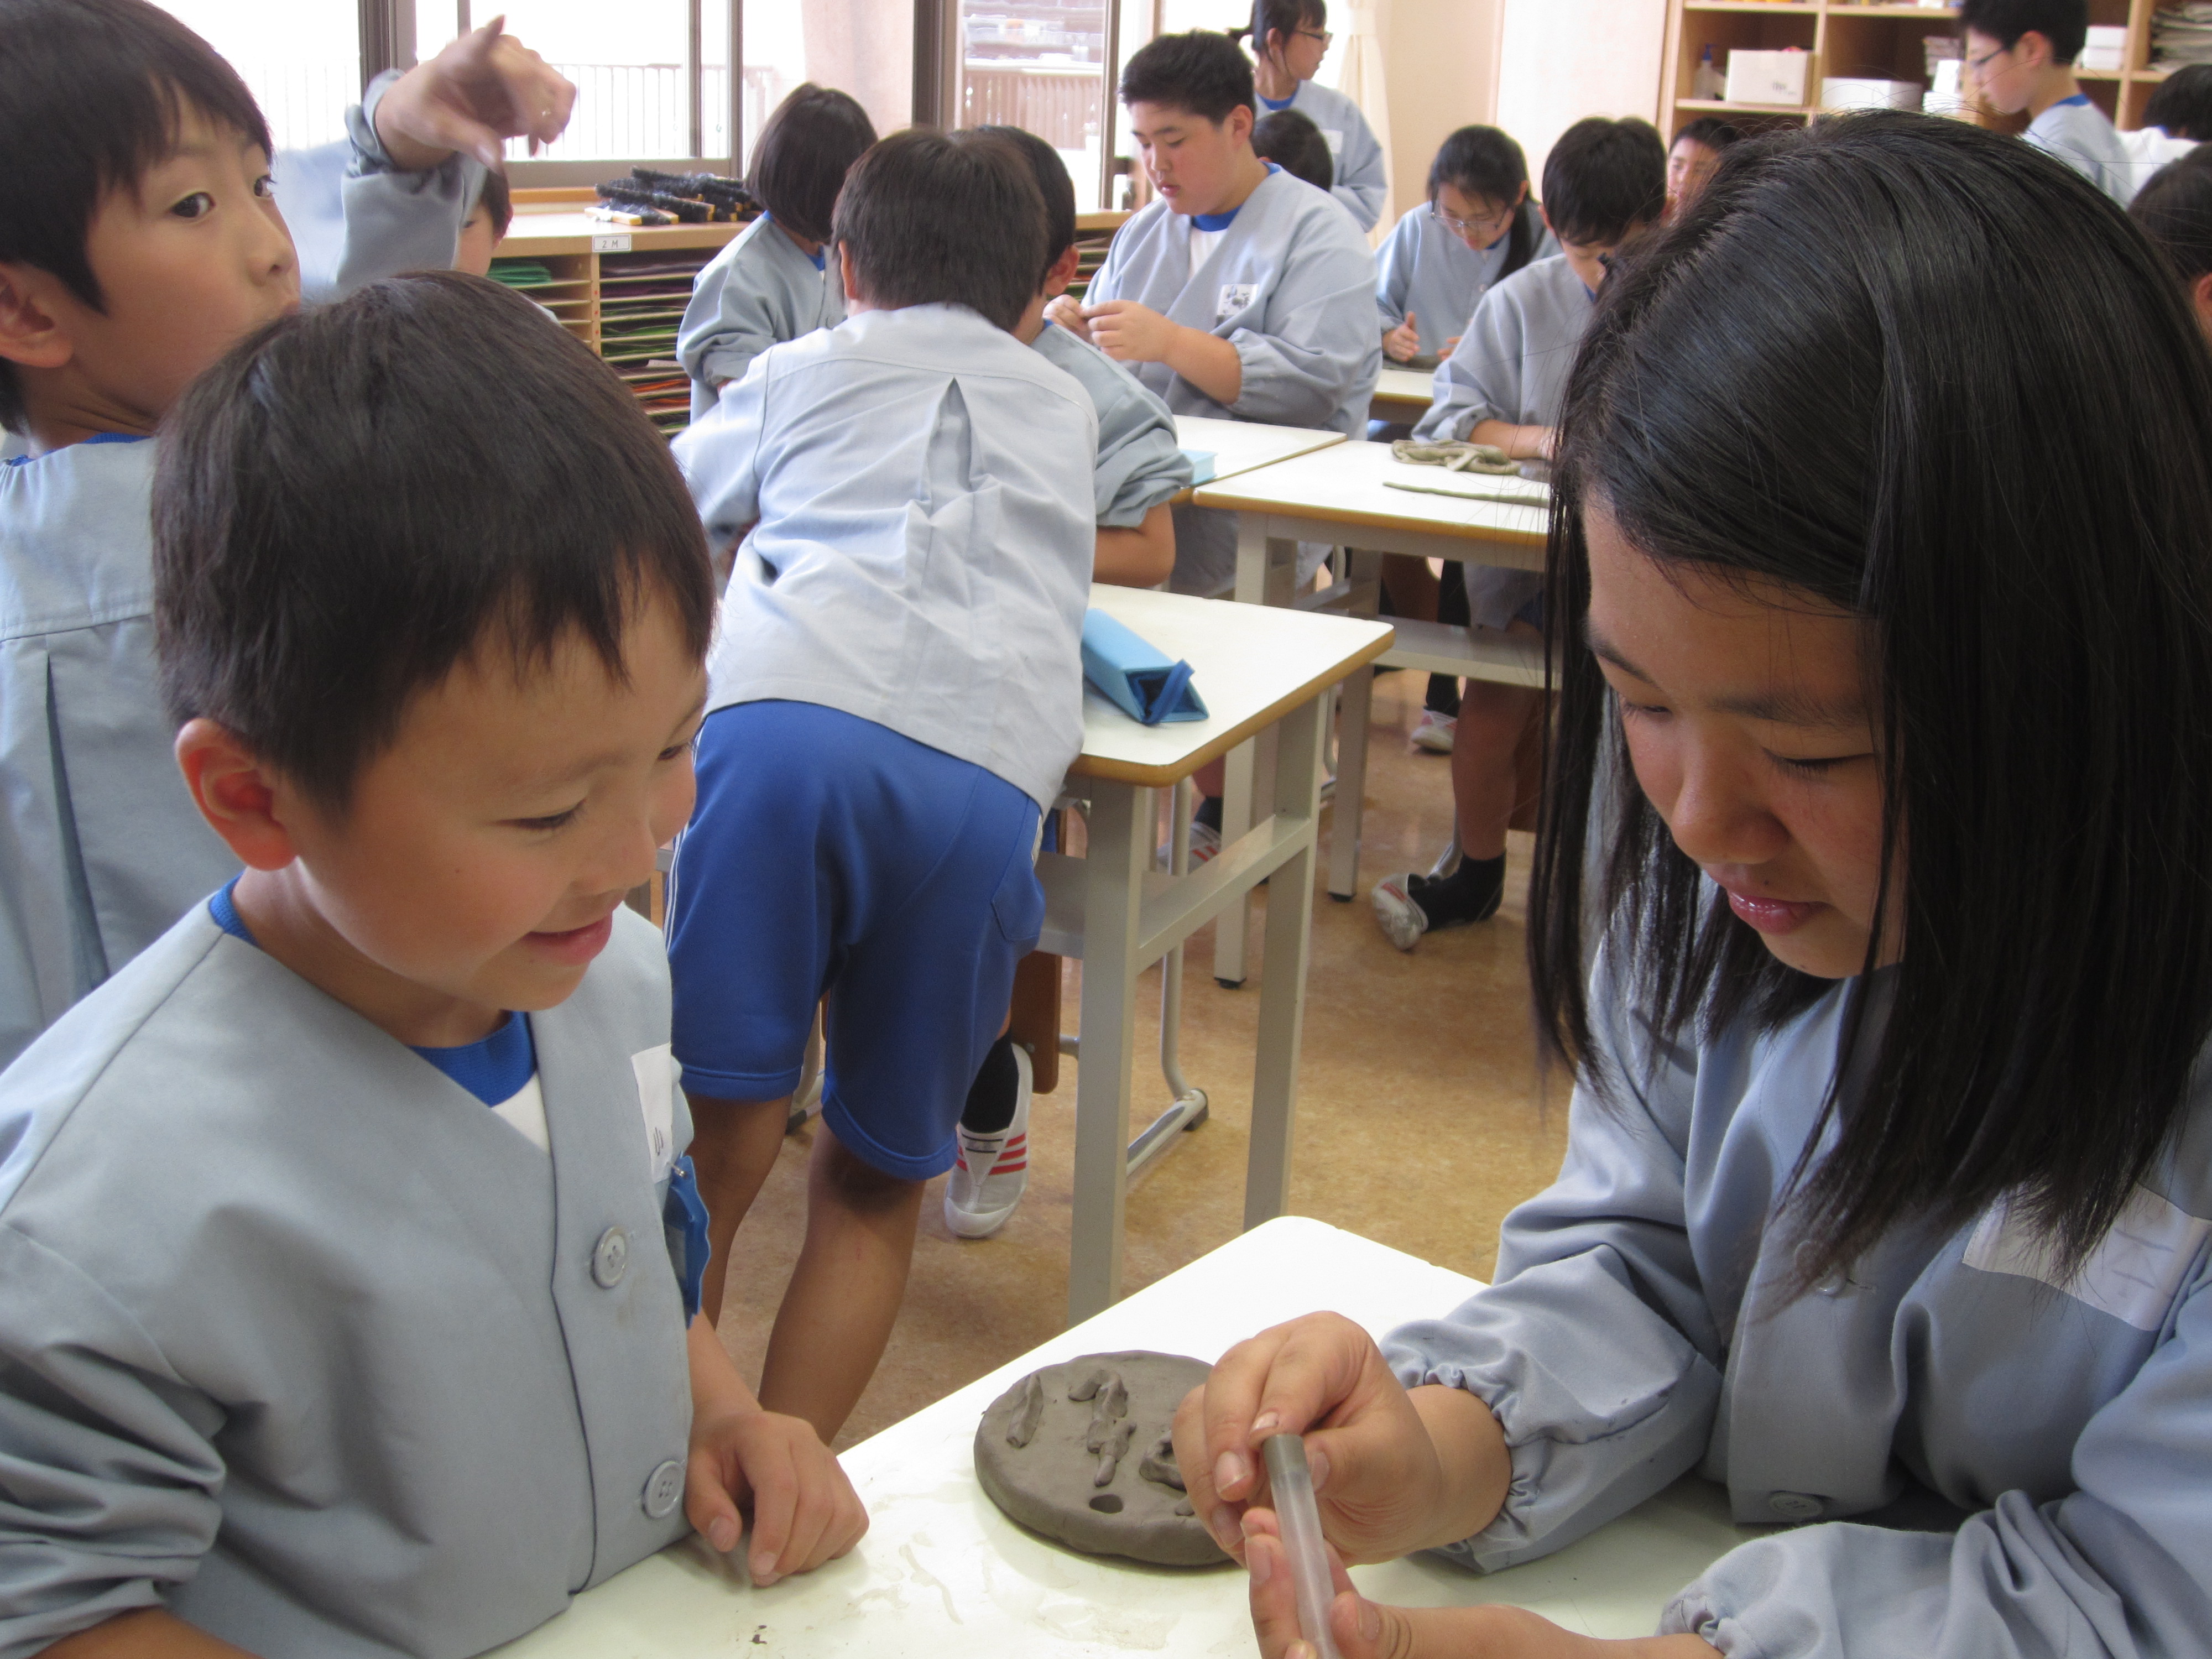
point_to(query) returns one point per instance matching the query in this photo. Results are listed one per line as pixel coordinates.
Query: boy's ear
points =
(845, 274)
(1544, 214)
(2033, 49)
(1062, 272)
(238, 796)
(2200, 294)
(30, 334)
(1239, 122)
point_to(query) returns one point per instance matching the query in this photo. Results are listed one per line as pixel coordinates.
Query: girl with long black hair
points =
(1288, 39)
(1873, 912)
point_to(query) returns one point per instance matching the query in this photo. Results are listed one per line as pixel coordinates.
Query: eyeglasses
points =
(1978, 65)
(1486, 230)
(1321, 35)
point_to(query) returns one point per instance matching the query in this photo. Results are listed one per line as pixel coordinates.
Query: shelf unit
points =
(1880, 41)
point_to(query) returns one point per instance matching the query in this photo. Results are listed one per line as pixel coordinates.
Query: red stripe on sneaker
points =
(1010, 1169)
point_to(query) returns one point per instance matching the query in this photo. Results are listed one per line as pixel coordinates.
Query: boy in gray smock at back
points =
(2019, 56)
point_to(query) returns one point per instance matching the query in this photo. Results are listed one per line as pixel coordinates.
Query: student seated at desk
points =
(1692, 159)
(1239, 293)
(138, 241)
(896, 696)
(1294, 144)
(1288, 39)
(2019, 56)
(346, 1238)
(1604, 183)
(1888, 1182)
(774, 283)
(2175, 209)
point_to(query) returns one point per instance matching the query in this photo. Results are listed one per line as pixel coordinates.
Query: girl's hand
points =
(1393, 1471)
(1065, 312)
(1372, 1629)
(1402, 343)
(804, 1512)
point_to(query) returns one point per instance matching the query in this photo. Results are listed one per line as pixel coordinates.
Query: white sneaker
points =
(1204, 842)
(1402, 919)
(1433, 732)
(992, 1170)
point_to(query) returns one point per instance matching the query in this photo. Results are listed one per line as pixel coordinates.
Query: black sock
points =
(996, 1092)
(1471, 892)
(1208, 813)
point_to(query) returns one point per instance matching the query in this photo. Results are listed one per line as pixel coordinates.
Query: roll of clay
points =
(1084, 1454)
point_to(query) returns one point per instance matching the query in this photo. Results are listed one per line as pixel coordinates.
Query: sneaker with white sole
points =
(1408, 906)
(1434, 731)
(992, 1170)
(1204, 842)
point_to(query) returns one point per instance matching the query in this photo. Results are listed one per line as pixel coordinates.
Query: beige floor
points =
(1419, 1121)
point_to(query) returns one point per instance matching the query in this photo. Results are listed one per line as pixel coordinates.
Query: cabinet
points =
(1877, 42)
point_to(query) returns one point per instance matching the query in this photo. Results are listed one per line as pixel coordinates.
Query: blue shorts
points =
(829, 856)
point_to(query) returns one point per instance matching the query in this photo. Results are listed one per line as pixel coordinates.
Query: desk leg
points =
(1267, 573)
(1297, 793)
(1355, 702)
(1120, 850)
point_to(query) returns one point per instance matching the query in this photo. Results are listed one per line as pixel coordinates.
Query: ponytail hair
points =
(1285, 17)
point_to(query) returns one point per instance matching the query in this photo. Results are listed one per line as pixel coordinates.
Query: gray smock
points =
(301, 1341)
(1511, 365)
(1354, 153)
(926, 567)
(759, 291)
(1423, 269)
(1635, 1333)
(2082, 136)
(100, 846)
(1141, 464)
(1291, 286)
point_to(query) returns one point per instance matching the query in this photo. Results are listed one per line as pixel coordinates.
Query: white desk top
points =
(1405, 386)
(1252, 664)
(1343, 486)
(942, 1573)
(1240, 445)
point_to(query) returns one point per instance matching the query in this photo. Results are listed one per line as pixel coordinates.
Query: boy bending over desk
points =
(897, 693)
(347, 1250)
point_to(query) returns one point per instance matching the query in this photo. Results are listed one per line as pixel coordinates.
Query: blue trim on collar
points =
(821, 259)
(96, 438)
(224, 909)
(2078, 98)
(1279, 103)
(1210, 222)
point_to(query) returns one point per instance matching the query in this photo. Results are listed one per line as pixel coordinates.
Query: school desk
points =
(943, 1575)
(1257, 669)
(1402, 395)
(1346, 495)
(1241, 445)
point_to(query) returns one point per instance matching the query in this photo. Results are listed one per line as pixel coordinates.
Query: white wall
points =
(1559, 60)
(1441, 56)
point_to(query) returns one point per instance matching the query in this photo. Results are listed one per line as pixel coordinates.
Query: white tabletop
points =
(1344, 486)
(942, 1573)
(1240, 445)
(1405, 386)
(1250, 663)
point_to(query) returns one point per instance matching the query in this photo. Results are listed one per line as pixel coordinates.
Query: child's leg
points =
(1491, 718)
(845, 1293)
(734, 1145)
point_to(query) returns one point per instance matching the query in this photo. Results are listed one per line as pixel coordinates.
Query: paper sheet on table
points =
(1139, 678)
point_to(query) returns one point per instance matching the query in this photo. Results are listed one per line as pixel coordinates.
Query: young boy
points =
(1239, 293)
(896, 696)
(1294, 144)
(340, 1310)
(137, 242)
(2019, 56)
(1604, 182)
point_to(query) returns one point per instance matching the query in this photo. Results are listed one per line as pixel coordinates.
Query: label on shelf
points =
(610, 241)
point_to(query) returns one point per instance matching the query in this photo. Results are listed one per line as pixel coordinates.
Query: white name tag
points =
(2133, 1274)
(1235, 297)
(1333, 138)
(655, 1069)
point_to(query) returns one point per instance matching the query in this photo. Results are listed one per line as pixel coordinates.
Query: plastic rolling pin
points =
(1302, 1545)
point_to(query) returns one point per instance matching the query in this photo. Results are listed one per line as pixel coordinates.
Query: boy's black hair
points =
(497, 200)
(1814, 381)
(2064, 23)
(92, 94)
(2174, 208)
(360, 497)
(1285, 17)
(1487, 164)
(1710, 131)
(1603, 178)
(1054, 185)
(2182, 104)
(945, 218)
(802, 154)
(1201, 71)
(1294, 144)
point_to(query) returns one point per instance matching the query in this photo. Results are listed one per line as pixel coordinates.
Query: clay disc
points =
(1049, 1481)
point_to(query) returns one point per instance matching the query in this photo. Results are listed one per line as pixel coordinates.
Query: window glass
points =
(301, 58)
(1039, 64)
(864, 48)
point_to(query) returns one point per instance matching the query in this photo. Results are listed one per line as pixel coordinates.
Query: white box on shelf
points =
(1767, 77)
(2105, 50)
(1846, 92)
